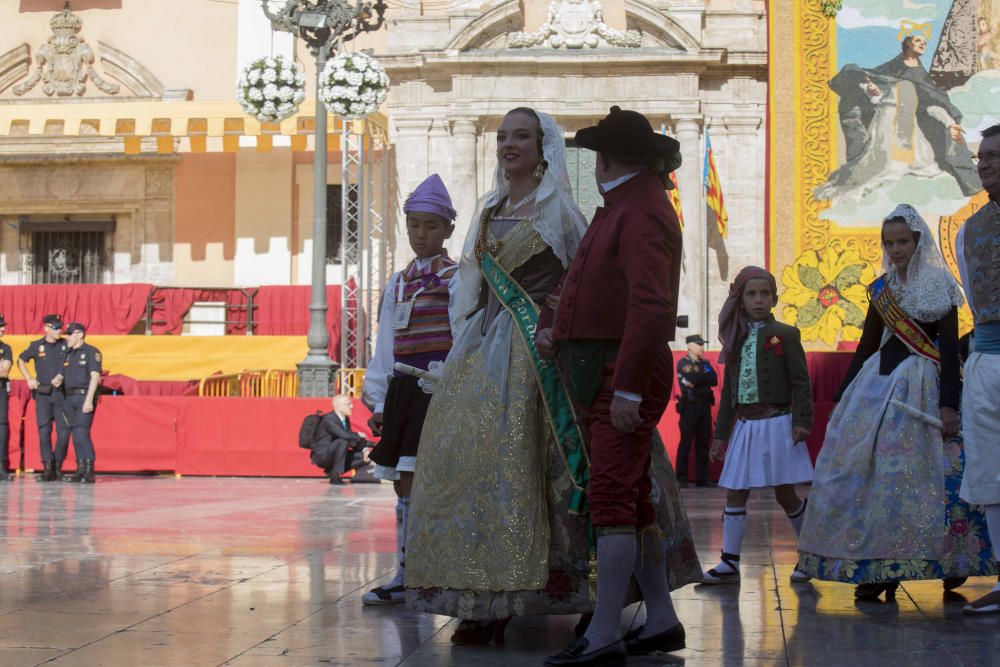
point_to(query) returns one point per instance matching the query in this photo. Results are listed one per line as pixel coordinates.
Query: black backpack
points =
(309, 429)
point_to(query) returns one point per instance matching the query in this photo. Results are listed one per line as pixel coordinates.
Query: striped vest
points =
(429, 330)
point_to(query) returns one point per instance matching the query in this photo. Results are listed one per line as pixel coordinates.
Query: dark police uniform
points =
(80, 363)
(695, 405)
(49, 359)
(5, 355)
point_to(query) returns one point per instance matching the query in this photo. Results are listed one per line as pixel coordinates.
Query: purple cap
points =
(431, 197)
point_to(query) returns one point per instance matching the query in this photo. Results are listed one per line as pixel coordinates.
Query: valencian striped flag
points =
(675, 199)
(713, 190)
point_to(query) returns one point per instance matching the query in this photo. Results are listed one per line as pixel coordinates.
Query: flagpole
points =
(706, 325)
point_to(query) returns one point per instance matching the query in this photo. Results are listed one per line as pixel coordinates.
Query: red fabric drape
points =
(193, 436)
(128, 386)
(244, 436)
(171, 304)
(103, 309)
(283, 310)
(279, 310)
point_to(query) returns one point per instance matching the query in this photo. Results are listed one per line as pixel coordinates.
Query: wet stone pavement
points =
(151, 571)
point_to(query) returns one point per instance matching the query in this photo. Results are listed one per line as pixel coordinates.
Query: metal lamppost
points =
(323, 25)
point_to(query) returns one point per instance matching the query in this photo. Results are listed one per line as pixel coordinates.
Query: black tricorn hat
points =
(628, 134)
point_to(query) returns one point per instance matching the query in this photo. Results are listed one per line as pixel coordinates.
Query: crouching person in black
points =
(337, 448)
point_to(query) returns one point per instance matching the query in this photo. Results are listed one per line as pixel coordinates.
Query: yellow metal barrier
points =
(350, 381)
(281, 384)
(251, 384)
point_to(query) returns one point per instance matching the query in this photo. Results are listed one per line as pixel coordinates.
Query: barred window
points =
(68, 252)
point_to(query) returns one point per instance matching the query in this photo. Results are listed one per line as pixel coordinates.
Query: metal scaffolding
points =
(366, 246)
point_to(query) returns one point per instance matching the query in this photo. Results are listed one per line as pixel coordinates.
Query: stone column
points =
(412, 153)
(439, 151)
(693, 283)
(746, 163)
(463, 183)
(739, 154)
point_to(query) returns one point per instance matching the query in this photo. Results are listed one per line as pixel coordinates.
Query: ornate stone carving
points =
(65, 61)
(575, 24)
(63, 183)
(159, 182)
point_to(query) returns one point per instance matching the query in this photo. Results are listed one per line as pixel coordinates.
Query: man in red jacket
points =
(616, 313)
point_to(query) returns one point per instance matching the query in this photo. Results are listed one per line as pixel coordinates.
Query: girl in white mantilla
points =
(884, 505)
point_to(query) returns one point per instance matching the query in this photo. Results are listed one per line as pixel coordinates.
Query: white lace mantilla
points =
(929, 290)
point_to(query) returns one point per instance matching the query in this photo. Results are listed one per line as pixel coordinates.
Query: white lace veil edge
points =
(558, 220)
(930, 290)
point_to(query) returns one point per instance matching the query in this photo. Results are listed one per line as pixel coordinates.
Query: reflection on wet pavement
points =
(201, 571)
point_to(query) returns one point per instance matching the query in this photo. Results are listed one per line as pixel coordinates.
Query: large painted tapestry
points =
(888, 98)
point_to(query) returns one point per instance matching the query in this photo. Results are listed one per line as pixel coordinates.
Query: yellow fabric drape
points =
(185, 357)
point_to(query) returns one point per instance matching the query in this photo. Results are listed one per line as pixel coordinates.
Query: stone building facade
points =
(691, 66)
(153, 151)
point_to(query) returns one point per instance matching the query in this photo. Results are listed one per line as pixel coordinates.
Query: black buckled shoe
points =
(671, 639)
(577, 655)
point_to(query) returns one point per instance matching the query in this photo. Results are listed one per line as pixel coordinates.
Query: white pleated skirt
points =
(762, 454)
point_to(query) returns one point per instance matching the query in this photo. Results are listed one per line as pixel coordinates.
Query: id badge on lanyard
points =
(401, 318)
(403, 310)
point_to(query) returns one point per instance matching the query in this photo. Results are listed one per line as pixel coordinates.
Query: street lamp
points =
(323, 25)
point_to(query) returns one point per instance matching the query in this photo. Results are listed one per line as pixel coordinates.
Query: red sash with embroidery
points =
(905, 329)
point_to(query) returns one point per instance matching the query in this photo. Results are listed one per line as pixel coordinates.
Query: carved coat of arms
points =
(65, 61)
(575, 24)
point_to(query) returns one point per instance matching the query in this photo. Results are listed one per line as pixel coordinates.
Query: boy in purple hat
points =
(414, 329)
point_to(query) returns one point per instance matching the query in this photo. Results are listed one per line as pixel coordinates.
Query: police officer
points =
(6, 361)
(49, 355)
(82, 377)
(696, 377)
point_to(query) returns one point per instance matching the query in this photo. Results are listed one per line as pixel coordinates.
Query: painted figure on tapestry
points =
(896, 121)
